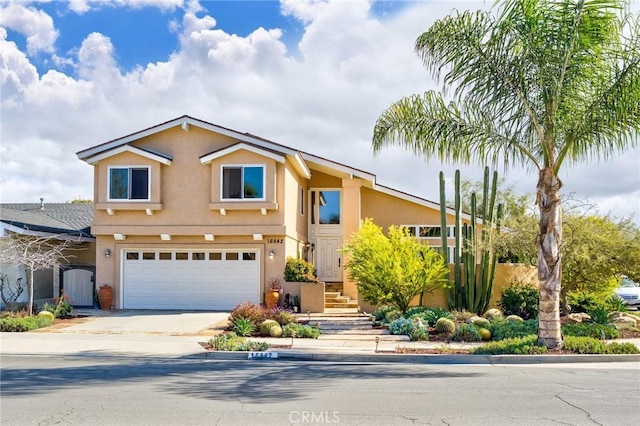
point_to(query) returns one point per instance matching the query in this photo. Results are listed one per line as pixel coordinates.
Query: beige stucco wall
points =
(188, 193)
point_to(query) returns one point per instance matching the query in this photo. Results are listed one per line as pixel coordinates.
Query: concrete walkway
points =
(179, 334)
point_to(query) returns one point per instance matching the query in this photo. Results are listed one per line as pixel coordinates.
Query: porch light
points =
(165, 237)
(107, 253)
(119, 236)
(272, 253)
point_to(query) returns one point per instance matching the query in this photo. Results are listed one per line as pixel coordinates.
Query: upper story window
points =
(325, 207)
(129, 183)
(243, 182)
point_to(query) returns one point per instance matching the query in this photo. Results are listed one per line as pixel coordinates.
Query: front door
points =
(325, 232)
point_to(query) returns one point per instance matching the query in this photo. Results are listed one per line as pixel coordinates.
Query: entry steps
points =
(335, 299)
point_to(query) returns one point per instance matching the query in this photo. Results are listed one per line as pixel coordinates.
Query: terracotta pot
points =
(105, 297)
(272, 298)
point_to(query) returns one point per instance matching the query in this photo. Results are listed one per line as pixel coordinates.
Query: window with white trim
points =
(429, 231)
(243, 182)
(129, 183)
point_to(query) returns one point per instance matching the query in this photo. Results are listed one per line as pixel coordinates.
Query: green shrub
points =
(623, 348)
(265, 327)
(243, 326)
(251, 311)
(20, 324)
(432, 315)
(381, 312)
(299, 270)
(588, 329)
(503, 329)
(527, 345)
(445, 325)
(520, 299)
(412, 311)
(599, 315)
(391, 316)
(281, 316)
(466, 333)
(232, 342)
(301, 331)
(589, 345)
(61, 307)
(584, 301)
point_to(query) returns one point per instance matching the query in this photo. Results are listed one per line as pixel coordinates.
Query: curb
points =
(424, 359)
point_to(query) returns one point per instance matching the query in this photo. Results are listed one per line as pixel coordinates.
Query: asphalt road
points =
(136, 391)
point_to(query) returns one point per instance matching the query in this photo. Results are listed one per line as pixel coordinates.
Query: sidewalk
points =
(86, 339)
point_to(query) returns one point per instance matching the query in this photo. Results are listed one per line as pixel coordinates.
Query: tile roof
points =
(65, 218)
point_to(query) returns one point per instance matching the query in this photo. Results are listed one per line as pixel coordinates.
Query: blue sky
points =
(145, 35)
(310, 74)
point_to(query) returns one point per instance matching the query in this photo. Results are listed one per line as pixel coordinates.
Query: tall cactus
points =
(473, 277)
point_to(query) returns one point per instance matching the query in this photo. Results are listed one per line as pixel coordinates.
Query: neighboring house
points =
(59, 221)
(192, 215)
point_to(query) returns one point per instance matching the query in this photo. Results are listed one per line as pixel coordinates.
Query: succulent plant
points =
(493, 314)
(275, 331)
(445, 325)
(482, 323)
(265, 327)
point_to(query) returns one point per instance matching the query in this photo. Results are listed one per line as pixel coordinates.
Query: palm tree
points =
(538, 84)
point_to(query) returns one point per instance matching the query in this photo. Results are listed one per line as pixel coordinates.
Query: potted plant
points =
(304, 285)
(272, 295)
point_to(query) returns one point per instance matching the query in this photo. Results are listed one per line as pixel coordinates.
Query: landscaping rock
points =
(629, 319)
(577, 318)
(493, 314)
(473, 319)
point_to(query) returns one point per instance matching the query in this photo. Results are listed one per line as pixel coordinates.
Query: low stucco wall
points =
(505, 274)
(312, 297)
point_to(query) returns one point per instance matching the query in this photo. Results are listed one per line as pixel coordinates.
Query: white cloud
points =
(82, 6)
(35, 25)
(324, 101)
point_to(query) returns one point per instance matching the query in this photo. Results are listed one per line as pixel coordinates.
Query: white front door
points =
(325, 232)
(329, 259)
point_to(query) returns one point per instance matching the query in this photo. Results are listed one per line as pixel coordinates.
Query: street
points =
(138, 391)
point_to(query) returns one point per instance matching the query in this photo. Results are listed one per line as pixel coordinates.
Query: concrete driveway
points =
(175, 323)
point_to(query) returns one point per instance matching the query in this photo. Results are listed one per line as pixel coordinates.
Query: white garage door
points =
(190, 279)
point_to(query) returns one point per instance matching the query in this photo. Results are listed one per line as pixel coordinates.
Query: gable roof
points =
(52, 218)
(301, 160)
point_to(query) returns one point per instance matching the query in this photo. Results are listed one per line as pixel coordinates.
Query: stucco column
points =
(351, 212)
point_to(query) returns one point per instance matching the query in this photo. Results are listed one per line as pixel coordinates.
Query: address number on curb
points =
(263, 355)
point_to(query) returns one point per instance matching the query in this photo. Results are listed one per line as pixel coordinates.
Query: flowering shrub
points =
(61, 308)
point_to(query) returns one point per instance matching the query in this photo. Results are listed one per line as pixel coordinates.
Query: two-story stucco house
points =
(191, 215)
